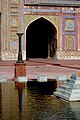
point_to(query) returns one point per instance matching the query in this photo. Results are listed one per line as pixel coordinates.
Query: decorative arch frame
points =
(52, 19)
(69, 43)
(28, 19)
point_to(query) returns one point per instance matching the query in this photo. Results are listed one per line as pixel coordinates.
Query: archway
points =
(41, 39)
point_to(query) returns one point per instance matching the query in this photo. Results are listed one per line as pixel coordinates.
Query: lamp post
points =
(20, 49)
(20, 65)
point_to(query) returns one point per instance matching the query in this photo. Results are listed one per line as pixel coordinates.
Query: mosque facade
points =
(51, 29)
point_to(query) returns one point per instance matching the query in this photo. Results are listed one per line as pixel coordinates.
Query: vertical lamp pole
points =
(20, 49)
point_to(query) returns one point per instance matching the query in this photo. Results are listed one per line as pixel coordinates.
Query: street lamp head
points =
(19, 34)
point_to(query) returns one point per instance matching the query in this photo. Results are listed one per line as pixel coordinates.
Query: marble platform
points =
(70, 90)
(22, 79)
(42, 79)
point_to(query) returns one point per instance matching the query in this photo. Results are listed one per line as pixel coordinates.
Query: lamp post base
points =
(20, 69)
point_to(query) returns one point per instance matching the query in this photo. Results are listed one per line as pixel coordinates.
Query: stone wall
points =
(11, 24)
(0, 35)
(0, 29)
(0, 6)
(16, 17)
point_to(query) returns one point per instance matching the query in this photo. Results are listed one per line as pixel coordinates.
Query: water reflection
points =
(75, 107)
(22, 102)
(0, 102)
(47, 107)
(20, 87)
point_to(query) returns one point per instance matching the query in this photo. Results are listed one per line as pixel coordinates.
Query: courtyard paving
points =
(39, 67)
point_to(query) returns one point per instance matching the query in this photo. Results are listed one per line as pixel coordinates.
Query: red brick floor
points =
(35, 67)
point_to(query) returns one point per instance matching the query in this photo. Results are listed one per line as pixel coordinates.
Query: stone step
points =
(61, 95)
(71, 98)
(69, 84)
(71, 81)
(66, 87)
(65, 92)
(70, 90)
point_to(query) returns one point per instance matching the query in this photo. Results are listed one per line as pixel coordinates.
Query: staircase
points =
(70, 90)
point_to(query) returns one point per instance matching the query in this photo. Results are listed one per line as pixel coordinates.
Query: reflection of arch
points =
(70, 43)
(40, 39)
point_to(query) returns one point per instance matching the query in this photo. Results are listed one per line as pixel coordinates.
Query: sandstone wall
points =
(0, 5)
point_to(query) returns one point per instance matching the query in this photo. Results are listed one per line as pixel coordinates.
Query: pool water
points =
(24, 102)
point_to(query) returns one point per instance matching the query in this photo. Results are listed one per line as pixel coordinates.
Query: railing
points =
(53, 1)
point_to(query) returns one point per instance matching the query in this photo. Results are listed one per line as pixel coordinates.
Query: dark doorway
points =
(41, 39)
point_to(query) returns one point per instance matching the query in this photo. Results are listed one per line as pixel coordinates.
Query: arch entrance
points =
(41, 39)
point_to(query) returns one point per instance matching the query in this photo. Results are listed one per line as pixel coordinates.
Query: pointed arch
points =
(41, 39)
(70, 43)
